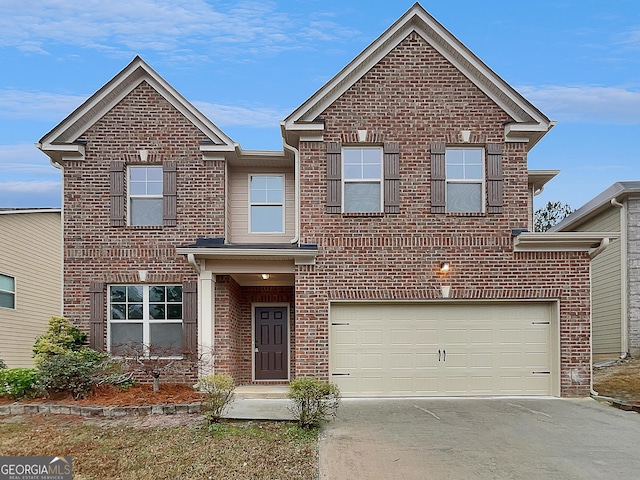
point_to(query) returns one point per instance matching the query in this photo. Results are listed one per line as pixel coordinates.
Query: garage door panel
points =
(392, 349)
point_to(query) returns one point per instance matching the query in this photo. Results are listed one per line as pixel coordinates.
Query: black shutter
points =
(334, 177)
(391, 177)
(117, 193)
(169, 194)
(190, 318)
(495, 179)
(438, 177)
(97, 320)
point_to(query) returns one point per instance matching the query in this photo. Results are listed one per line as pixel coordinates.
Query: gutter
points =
(296, 156)
(624, 306)
(191, 258)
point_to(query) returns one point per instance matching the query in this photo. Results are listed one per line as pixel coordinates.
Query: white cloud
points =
(31, 186)
(171, 27)
(43, 106)
(228, 115)
(587, 104)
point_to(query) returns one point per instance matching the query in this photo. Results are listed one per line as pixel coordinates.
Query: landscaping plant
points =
(18, 383)
(313, 401)
(61, 338)
(218, 390)
(73, 372)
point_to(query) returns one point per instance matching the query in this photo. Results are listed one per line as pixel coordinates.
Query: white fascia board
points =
(63, 152)
(300, 257)
(31, 210)
(561, 241)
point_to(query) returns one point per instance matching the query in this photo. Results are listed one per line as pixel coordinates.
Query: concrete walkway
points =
(466, 439)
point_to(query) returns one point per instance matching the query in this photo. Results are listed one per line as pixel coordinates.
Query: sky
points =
(248, 64)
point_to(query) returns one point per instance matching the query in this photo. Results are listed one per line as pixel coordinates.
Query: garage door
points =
(438, 350)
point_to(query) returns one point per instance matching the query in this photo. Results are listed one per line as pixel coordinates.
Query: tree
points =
(551, 214)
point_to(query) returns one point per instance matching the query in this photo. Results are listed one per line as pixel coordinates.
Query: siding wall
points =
(606, 285)
(31, 251)
(239, 206)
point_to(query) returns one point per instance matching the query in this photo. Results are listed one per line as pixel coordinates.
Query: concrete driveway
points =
(466, 439)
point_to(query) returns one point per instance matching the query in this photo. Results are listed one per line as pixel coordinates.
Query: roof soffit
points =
(419, 21)
(71, 128)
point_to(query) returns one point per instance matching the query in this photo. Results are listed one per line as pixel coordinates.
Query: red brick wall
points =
(415, 97)
(95, 251)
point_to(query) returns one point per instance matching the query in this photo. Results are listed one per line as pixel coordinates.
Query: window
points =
(266, 203)
(145, 195)
(7, 291)
(145, 319)
(465, 180)
(362, 179)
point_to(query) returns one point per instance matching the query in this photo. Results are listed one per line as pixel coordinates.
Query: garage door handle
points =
(340, 374)
(439, 353)
(444, 355)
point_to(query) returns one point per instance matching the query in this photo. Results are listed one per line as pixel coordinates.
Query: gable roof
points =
(529, 125)
(615, 192)
(61, 143)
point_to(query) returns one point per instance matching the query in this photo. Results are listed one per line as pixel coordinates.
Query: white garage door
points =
(453, 350)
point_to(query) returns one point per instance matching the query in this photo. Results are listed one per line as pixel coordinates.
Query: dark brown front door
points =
(271, 351)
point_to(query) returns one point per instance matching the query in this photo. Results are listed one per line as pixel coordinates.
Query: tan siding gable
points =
(31, 245)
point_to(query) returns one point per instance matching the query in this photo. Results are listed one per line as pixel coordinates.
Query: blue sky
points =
(248, 64)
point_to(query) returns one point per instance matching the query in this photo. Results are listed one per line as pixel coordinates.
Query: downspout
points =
(59, 166)
(593, 254)
(623, 278)
(191, 258)
(296, 157)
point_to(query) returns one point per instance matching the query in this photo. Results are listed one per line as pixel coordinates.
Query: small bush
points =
(2, 364)
(218, 390)
(18, 382)
(313, 401)
(73, 372)
(61, 338)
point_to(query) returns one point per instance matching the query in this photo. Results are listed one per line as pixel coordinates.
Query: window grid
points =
(266, 204)
(144, 187)
(7, 291)
(362, 167)
(144, 305)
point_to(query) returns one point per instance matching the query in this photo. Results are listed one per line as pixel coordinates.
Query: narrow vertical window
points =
(7, 291)
(465, 180)
(362, 179)
(144, 187)
(266, 203)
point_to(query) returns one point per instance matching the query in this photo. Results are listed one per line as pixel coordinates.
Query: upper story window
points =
(266, 203)
(465, 180)
(145, 195)
(362, 179)
(7, 291)
(145, 319)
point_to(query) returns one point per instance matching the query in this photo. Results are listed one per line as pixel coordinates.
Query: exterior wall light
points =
(445, 267)
(265, 276)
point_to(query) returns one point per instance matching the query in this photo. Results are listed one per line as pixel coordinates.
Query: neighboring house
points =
(30, 279)
(327, 258)
(615, 275)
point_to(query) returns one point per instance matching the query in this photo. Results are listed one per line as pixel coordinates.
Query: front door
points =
(271, 352)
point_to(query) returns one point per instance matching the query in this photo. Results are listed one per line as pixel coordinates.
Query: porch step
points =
(243, 392)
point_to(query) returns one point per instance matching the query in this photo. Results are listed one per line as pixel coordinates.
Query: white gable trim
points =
(60, 143)
(530, 123)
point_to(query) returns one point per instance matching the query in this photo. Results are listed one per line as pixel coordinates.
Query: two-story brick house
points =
(380, 249)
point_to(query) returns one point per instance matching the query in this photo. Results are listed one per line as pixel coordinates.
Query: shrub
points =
(2, 364)
(218, 390)
(61, 338)
(73, 372)
(18, 382)
(313, 401)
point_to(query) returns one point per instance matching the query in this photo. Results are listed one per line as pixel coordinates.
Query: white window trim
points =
(145, 320)
(379, 181)
(482, 181)
(130, 196)
(282, 176)
(15, 296)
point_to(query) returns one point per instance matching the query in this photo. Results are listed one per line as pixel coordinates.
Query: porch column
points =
(206, 318)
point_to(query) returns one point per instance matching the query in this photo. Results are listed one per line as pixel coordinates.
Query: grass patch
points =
(620, 380)
(120, 450)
